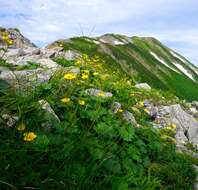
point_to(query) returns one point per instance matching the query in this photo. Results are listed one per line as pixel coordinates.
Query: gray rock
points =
(30, 55)
(23, 60)
(72, 69)
(147, 103)
(187, 126)
(47, 63)
(144, 86)
(98, 92)
(193, 110)
(36, 51)
(116, 106)
(52, 52)
(128, 116)
(10, 120)
(19, 40)
(152, 110)
(70, 55)
(195, 104)
(46, 106)
(13, 52)
(26, 77)
(59, 52)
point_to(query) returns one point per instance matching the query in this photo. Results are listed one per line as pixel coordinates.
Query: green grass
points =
(28, 66)
(63, 62)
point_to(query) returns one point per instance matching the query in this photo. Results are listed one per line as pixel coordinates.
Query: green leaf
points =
(104, 129)
(96, 153)
(119, 184)
(134, 153)
(112, 165)
(127, 133)
(41, 141)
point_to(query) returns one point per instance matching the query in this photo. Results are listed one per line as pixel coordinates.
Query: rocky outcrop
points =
(19, 41)
(128, 116)
(46, 106)
(98, 93)
(56, 52)
(144, 86)
(27, 77)
(9, 120)
(186, 124)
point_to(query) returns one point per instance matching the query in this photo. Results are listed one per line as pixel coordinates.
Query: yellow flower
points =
(95, 74)
(146, 110)
(81, 102)
(5, 38)
(10, 42)
(120, 110)
(169, 128)
(85, 56)
(173, 126)
(140, 104)
(65, 100)
(101, 94)
(78, 62)
(85, 71)
(30, 136)
(21, 127)
(70, 76)
(85, 76)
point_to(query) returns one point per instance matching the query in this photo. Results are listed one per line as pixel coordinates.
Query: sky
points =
(173, 22)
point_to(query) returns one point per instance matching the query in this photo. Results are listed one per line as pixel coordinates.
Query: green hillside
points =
(133, 56)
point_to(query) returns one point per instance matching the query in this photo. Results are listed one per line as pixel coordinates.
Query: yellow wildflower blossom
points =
(85, 71)
(146, 110)
(169, 128)
(10, 42)
(65, 100)
(140, 104)
(70, 76)
(21, 127)
(95, 74)
(120, 110)
(81, 102)
(78, 62)
(30, 136)
(173, 126)
(85, 76)
(101, 94)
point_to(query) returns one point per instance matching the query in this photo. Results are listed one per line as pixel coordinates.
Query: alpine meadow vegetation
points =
(88, 146)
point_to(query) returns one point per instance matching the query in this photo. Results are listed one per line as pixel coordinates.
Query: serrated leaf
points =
(112, 165)
(126, 133)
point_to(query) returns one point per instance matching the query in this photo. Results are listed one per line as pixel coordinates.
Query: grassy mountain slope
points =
(143, 59)
(81, 143)
(90, 147)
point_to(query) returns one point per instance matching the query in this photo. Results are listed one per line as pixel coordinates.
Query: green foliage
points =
(91, 147)
(63, 62)
(29, 65)
(3, 63)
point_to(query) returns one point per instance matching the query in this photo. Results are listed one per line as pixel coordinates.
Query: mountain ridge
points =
(145, 58)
